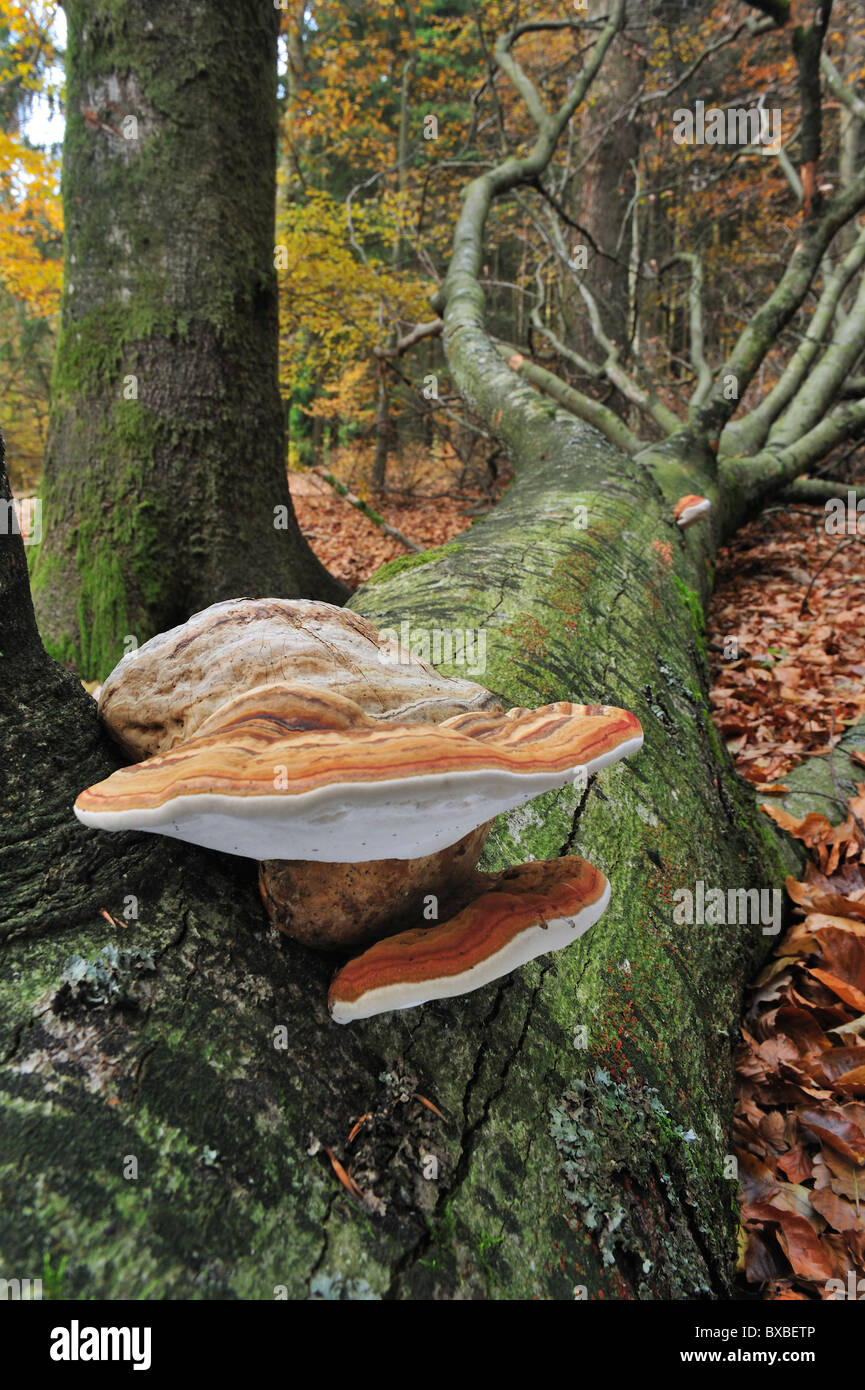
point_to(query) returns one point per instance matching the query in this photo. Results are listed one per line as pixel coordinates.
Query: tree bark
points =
(604, 197)
(382, 431)
(165, 473)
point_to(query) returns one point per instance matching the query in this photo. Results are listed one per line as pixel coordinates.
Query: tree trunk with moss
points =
(166, 1109)
(165, 485)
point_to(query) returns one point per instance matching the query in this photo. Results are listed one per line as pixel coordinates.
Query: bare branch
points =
(826, 379)
(702, 370)
(815, 491)
(775, 465)
(789, 170)
(758, 336)
(432, 329)
(491, 80)
(750, 433)
(835, 83)
(752, 26)
(645, 399)
(576, 359)
(467, 342)
(367, 510)
(583, 407)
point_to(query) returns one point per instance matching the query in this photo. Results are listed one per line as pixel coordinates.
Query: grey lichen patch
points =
(115, 105)
(61, 1049)
(621, 1157)
(82, 1029)
(335, 1288)
(113, 978)
(821, 785)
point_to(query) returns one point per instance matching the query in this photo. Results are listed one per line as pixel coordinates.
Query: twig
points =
(842, 584)
(367, 510)
(432, 329)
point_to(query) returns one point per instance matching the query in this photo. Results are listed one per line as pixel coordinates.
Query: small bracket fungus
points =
(364, 785)
(689, 509)
(515, 916)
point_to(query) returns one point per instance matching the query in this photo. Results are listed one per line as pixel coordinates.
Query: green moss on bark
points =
(626, 1036)
(693, 607)
(391, 568)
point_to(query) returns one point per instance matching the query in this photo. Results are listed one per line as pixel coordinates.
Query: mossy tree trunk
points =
(165, 483)
(214, 1076)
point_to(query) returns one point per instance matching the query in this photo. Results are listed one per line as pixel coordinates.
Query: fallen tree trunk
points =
(165, 1129)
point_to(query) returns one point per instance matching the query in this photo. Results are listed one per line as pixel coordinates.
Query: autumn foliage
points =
(30, 233)
(792, 598)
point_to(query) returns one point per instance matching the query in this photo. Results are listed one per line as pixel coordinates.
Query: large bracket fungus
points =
(363, 781)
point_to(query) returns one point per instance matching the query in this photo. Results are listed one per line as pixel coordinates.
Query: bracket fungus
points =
(690, 509)
(159, 695)
(363, 782)
(513, 917)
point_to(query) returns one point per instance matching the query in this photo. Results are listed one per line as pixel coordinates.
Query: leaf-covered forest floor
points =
(786, 635)
(352, 546)
(792, 599)
(787, 639)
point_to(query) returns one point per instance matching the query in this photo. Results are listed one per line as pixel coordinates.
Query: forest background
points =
(386, 111)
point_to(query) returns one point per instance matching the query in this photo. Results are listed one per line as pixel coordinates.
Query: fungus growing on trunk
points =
(690, 508)
(159, 695)
(364, 782)
(334, 906)
(333, 785)
(511, 918)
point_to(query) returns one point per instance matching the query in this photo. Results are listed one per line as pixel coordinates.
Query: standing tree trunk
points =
(604, 195)
(382, 431)
(165, 485)
(383, 421)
